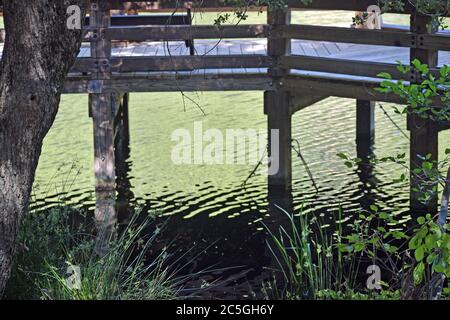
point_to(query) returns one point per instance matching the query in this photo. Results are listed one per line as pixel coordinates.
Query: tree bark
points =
(39, 50)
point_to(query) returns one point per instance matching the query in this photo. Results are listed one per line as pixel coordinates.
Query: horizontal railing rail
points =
(178, 32)
(349, 35)
(345, 5)
(345, 66)
(341, 66)
(174, 63)
(149, 19)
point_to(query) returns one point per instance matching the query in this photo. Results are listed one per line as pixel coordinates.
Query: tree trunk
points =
(38, 53)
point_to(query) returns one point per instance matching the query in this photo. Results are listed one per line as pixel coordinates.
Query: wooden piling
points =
(365, 128)
(122, 125)
(277, 107)
(102, 110)
(122, 153)
(279, 119)
(423, 132)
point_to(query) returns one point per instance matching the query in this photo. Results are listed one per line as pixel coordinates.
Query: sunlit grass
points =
(51, 241)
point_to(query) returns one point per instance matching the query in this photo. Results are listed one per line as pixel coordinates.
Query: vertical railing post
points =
(278, 111)
(102, 110)
(423, 132)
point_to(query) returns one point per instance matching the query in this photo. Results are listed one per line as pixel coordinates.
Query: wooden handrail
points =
(153, 19)
(347, 5)
(170, 33)
(345, 66)
(348, 35)
(174, 63)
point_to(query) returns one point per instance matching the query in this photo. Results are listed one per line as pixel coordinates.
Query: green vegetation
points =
(417, 258)
(313, 265)
(60, 238)
(306, 258)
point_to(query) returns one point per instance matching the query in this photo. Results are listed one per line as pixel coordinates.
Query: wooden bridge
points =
(295, 66)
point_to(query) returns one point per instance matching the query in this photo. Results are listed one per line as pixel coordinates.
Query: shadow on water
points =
(229, 252)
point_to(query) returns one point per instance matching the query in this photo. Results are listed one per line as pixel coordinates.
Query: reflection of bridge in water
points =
(295, 65)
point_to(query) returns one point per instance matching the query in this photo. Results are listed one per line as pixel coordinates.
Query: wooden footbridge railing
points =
(290, 78)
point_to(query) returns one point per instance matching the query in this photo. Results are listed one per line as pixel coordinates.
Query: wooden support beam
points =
(175, 63)
(365, 109)
(117, 116)
(277, 46)
(104, 164)
(348, 35)
(122, 153)
(346, 66)
(365, 127)
(444, 125)
(220, 5)
(102, 109)
(302, 99)
(424, 132)
(277, 107)
(336, 86)
(186, 82)
(122, 126)
(176, 33)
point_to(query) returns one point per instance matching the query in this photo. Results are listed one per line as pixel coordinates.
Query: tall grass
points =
(51, 241)
(308, 261)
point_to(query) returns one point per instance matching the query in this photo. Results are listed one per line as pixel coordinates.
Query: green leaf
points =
(389, 248)
(359, 247)
(418, 273)
(403, 68)
(430, 242)
(419, 253)
(384, 75)
(343, 156)
(431, 258)
(427, 165)
(414, 243)
(399, 235)
(384, 216)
